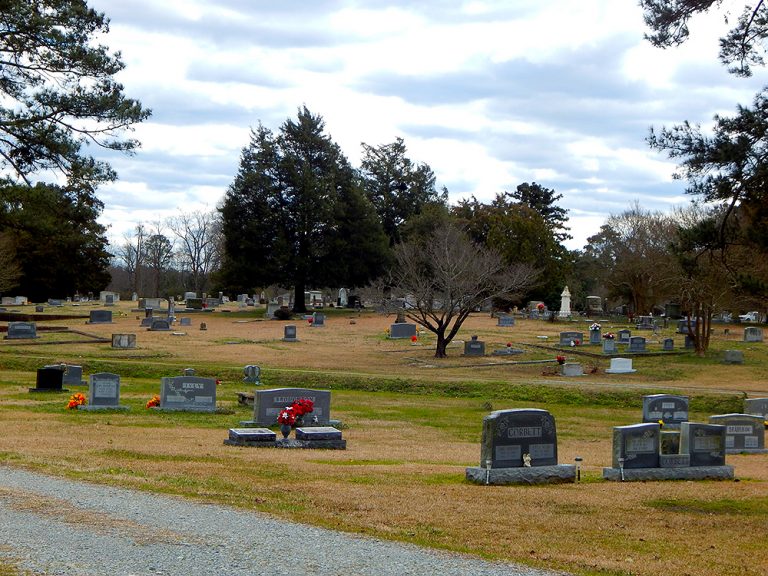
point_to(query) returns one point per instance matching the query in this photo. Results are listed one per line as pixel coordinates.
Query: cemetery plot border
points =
(321, 437)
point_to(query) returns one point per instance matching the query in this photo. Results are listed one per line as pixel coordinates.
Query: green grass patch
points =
(358, 462)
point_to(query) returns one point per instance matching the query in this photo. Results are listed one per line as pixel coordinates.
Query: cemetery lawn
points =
(412, 425)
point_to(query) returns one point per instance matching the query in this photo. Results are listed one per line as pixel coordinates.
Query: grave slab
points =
(690, 473)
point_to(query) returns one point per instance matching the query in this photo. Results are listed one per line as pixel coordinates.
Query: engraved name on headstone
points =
(509, 435)
(188, 393)
(636, 446)
(671, 409)
(268, 403)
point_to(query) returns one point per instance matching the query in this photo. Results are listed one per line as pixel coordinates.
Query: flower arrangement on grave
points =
(293, 415)
(77, 399)
(661, 423)
(609, 336)
(540, 306)
(560, 360)
(594, 326)
(154, 401)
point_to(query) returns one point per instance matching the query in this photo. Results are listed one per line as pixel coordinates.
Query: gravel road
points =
(60, 527)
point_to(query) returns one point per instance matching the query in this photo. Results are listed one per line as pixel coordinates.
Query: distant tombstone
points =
(670, 409)
(203, 326)
(753, 334)
(189, 371)
(73, 376)
(506, 321)
(154, 303)
(402, 330)
(318, 320)
(705, 443)
(636, 446)
(565, 303)
(289, 333)
(572, 369)
(689, 342)
(134, 297)
(100, 317)
(109, 300)
(20, 300)
(594, 337)
(268, 403)
(624, 336)
(733, 357)
(188, 393)
(609, 346)
(343, 299)
(21, 330)
(272, 307)
(160, 324)
(54, 302)
(188, 296)
(241, 298)
(566, 338)
(107, 297)
(620, 366)
(103, 391)
(146, 322)
(668, 344)
(124, 341)
(39, 309)
(49, 379)
(185, 322)
(194, 303)
(637, 344)
(645, 323)
(251, 374)
(474, 347)
(758, 406)
(743, 432)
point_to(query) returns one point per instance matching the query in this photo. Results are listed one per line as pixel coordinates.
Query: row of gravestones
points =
(520, 446)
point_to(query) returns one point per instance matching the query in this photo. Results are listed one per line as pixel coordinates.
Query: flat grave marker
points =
(400, 330)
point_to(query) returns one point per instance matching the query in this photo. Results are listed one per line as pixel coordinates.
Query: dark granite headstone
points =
(100, 317)
(21, 330)
(672, 410)
(508, 435)
(104, 389)
(689, 343)
(73, 376)
(637, 344)
(39, 308)
(704, 442)
(637, 444)
(49, 379)
(624, 336)
(595, 337)
(188, 393)
(402, 330)
(568, 337)
(682, 326)
(251, 374)
(668, 344)
(318, 433)
(289, 333)
(318, 320)
(185, 322)
(474, 347)
(160, 324)
(268, 403)
(252, 435)
(194, 303)
(743, 432)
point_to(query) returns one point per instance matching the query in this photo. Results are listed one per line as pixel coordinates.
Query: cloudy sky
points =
(489, 93)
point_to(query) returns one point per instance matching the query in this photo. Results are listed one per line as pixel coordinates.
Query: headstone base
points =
(746, 450)
(90, 408)
(290, 339)
(690, 473)
(558, 474)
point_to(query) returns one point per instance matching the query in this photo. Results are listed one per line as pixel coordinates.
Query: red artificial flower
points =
(286, 416)
(302, 406)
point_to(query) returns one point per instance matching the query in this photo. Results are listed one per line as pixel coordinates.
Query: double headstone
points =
(743, 432)
(21, 330)
(188, 393)
(519, 446)
(402, 330)
(251, 374)
(267, 404)
(636, 446)
(570, 338)
(123, 341)
(474, 347)
(100, 317)
(670, 409)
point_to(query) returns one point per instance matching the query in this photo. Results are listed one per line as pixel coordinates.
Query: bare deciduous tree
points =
(199, 252)
(446, 277)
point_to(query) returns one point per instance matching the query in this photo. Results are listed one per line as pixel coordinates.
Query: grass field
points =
(413, 424)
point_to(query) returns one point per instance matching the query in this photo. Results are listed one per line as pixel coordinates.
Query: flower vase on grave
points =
(285, 430)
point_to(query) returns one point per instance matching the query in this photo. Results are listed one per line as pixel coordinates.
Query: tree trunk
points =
(442, 343)
(299, 307)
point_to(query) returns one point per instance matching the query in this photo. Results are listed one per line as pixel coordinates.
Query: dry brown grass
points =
(404, 479)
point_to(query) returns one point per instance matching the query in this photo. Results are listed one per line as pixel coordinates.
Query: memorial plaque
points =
(100, 317)
(104, 389)
(21, 330)
(637, 444)
(402, 330)
(705, 443)
(566, 338)
(188, 393)
(743, 432)
(508, 435)
(758, 406)
(268, 403)
(505, 321)
(672, 410)
(318, 433)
